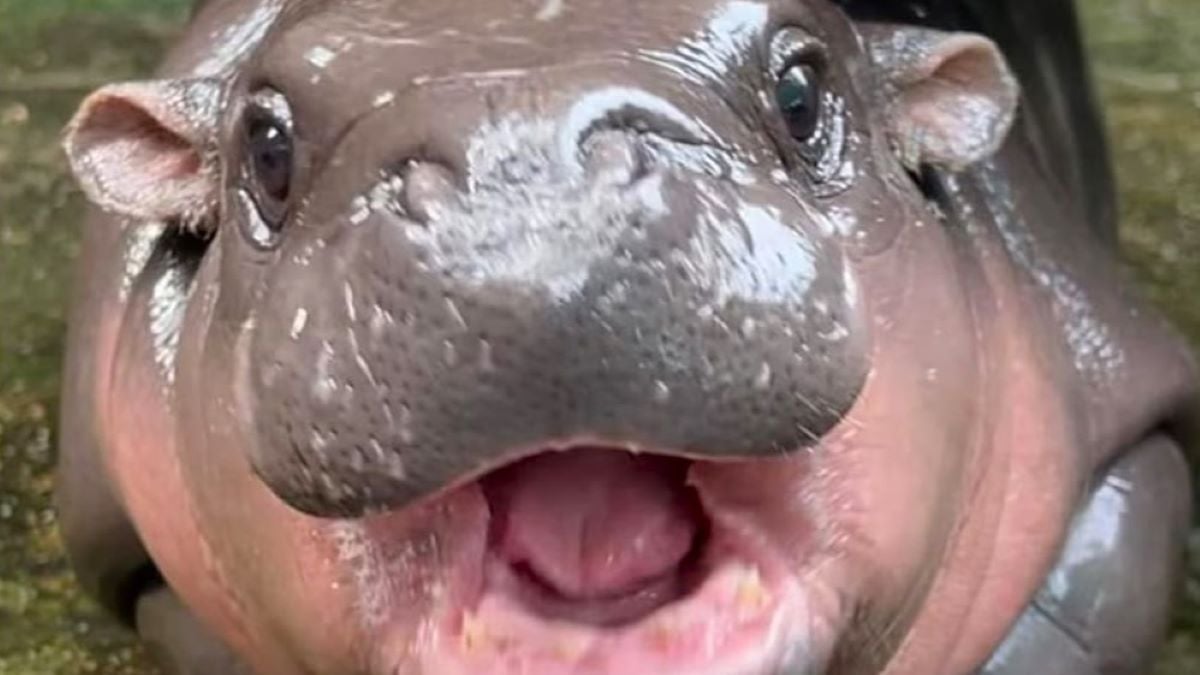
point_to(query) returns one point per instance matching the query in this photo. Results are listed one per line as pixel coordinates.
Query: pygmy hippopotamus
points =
(707, 337)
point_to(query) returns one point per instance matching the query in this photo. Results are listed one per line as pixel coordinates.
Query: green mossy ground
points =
(1146, 55)
(1147, 61)
(51, 53)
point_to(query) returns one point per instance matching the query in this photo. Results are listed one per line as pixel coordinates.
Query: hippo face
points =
(592, 337)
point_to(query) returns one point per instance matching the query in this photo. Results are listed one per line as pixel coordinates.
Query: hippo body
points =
(699, 336)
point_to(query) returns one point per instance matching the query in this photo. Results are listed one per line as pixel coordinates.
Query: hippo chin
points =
(724, 337)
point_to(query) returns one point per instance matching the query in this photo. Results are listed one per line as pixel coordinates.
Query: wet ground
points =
(1147, 59)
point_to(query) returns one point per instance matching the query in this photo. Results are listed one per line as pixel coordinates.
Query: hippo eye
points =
(807, 103)
(269, 159)
(798, 95)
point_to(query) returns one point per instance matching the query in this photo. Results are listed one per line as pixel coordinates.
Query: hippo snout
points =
(632, 285)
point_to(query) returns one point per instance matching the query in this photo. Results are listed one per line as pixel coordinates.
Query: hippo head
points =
(577, 336)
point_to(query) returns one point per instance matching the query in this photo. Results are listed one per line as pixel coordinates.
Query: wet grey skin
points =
(1107, 601)
(504, 244)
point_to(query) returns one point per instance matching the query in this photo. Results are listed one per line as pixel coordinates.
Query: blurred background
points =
(1146, 56)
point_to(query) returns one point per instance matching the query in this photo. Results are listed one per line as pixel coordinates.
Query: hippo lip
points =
(599, 560)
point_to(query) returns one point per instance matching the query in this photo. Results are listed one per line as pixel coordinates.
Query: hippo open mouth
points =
(597, 558)
(608, 549)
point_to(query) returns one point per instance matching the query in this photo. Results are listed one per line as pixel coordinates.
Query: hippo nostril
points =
(614, 157)
(429, 191)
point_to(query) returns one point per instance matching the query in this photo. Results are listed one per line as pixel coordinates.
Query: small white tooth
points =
(474, 633)
(569, 649)
(751, 593)
(662, 635)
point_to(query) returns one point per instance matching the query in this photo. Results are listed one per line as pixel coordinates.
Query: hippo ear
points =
(147, 150)
(951, 96)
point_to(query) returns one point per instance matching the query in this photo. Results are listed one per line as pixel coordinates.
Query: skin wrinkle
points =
(981, 469)
(885, 640)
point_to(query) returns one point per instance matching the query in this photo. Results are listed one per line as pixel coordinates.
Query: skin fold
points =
(888, 342)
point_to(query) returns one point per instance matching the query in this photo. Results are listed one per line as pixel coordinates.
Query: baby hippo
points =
(685, 337)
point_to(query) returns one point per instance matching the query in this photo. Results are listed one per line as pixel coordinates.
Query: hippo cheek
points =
(1021, 482)
(278, 586)
(149, 463)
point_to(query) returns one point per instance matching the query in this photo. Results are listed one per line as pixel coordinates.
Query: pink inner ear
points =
(130, 160)
(134, 152)
(971, 68)
(959, 111)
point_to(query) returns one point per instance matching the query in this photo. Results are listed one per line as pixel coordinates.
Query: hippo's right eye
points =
(270, 152)
(268, 158)
(809, 108)
(798, 95)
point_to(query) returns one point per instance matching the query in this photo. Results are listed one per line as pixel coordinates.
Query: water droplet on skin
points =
(298, 322)
(449, 353)
(748, 327)
(837, 332)
(764, 377)
(742, 176)
(378, 322)
(320, 56)
(360, 210)
(406, 432)
(486, 363)
(550, 10)
(324, 385)
(328, 486)
(351, 312)
(455, 314)
(376, 449)
(317, 441)
(395, 467)
(662, 393)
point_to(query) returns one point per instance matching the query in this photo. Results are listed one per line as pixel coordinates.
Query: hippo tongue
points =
(593, 523)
